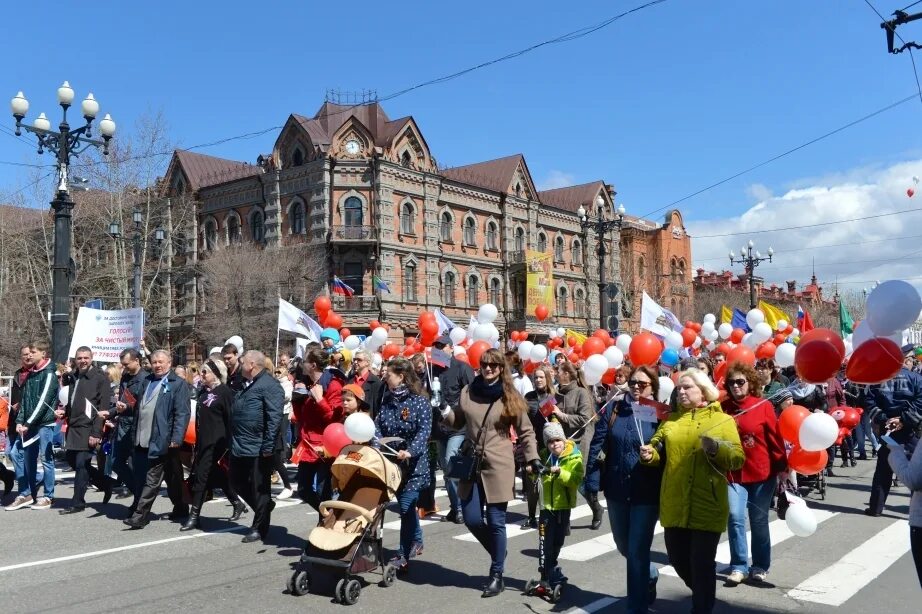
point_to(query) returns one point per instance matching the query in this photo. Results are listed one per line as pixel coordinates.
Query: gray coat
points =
(910, 473)
(578, 408)
(171, 414)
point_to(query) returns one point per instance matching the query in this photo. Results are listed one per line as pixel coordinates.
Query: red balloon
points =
(609, 341)
(426, 316)
(541, 312)
(743, 354)
(322, 305)
(843, 433)
(592, 345)
(429, 327)
(791, 419)
(418, 347)
(608, 378)
(779, 339)
(723, 349)
(719, 372)
(790, 329)
(374, 324)
(571, 341)
(807, 463)
(696, 327)
(574, 357)
(601, 333)
(910, 192)
(688, 336)
(530, 367)
(826, 335)
(816, 361)
(409, 340)
(475, 351)
(333, 320)
(689, 323)
(335, 438)
(851, 418)
(766, 350)
(344, 332)
(874, 361)
(189, 437)
(389, 350)
(578, 349)
(737, 335)
(645, 349)
(463, 358)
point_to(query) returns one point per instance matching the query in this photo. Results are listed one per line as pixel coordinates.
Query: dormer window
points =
(406, 160)
(518, 190)
(297, 158)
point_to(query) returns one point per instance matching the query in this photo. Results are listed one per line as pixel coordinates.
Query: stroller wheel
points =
(338, 591)
(530, 587)
(299, 583)
(557, 593)
(390, 575)
(351, 591)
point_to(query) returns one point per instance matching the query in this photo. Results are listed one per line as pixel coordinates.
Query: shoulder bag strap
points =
(483, 424)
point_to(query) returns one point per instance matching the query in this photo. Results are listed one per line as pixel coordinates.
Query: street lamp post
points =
(601, 227)
(63, 144)
(750, 260)
(115, 231)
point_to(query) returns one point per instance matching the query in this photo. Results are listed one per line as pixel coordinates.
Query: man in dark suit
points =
(86, 412)
(131, 388)
(371, 384)
(161, 416)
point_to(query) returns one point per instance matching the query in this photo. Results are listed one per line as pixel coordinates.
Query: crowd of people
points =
(706, 460)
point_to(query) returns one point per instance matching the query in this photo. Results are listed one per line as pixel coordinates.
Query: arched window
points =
(518, 190)
(298, 218)
(211, 235)
(448, 289)
(407, 219)
(673, 268)
(352, 212)
(561, 301)
(641, 267)
(492, 236)
(558, 249)
(233, 229)
(495, 292)
(470, 231)
(409, 282)
(579, 303)
(405, 159)
(258, 226)
(577, 255)
(297, 158)
(682, 270)
(542, 242)
(473, 291)
(519, 240)
(445, 227)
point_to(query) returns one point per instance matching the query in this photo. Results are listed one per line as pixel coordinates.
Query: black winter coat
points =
(213, 418)
(256, 416)
(131, 386)
(92, 385)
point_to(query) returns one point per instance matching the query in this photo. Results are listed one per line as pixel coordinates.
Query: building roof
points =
(494, 175)
(573, 197)
(202, 171)
(331, 117)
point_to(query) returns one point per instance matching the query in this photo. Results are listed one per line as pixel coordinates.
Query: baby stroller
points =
(347, 539)
(807, 484)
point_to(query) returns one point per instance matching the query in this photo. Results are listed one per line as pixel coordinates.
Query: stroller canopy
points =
(369, 462)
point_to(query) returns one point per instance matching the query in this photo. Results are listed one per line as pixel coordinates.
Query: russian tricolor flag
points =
(804, 321)
(340, 287)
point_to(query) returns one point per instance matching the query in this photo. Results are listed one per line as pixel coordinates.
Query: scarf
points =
(491, 392)
(400, 393)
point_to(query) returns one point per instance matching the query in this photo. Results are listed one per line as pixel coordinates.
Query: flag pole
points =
(278, 332)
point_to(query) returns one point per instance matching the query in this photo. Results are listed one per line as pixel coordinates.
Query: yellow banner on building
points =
(539, 289)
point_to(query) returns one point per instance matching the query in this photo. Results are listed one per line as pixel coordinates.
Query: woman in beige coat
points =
(492, 400)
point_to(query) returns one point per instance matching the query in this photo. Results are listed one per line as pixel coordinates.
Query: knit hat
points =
(552, 431)
(783, 395)
(357, 392)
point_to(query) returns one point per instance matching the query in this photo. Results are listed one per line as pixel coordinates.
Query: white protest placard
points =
(644, 413)
(107, 332)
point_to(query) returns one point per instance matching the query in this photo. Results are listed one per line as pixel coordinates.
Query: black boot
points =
(192, 521)
(495, 587)
(240, 509)
(597, 511)
(108, 483)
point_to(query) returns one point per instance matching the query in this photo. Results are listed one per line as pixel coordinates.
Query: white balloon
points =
(487, 313)
(817, 432)
(710, 345)
(63, 393)
(376, 361)
(525, 350)
(352, 342)
(538, 353)
(784, 355)
(893, 305)
(709, 318)
(379, 335)
(666, 386)
(706, 329)
(553, 333)
(750, 341)
(782, 325)
(359, 427)
(592, 379)
(697, 342)
(595, 365)
(754, 317)
(457, 335)
(238, 341)
(800, 519)
(795, 332)
(459, 351)
(714, 336)
(494, 334)
(725, 330)
(762, 332)
(623, 342)
(864, 333)
(481, 332)
(614, 356)
(673, 339)
(561, 332)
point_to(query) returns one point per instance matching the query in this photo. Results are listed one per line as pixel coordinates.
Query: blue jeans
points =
(492, 534)
(754, 498)
(448, 446)
(410, 529)
(30, 457)
(632, 527)
(14, 453)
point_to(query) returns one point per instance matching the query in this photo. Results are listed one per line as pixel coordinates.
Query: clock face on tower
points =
(353, 147)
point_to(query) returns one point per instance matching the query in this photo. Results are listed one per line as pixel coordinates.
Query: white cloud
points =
(759, 192)
(854, 253)
(557, 179)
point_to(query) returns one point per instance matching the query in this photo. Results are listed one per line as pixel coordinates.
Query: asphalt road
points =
(87, 562)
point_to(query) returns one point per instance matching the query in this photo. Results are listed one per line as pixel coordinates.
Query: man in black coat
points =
(371, 384)
(255, 420)
(86, 412)
(130, 390)
(235, 378)
(161, 416)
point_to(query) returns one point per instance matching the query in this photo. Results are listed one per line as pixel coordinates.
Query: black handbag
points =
(465, 465)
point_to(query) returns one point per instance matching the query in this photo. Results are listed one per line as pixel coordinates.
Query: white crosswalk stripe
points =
(515, 530)
(595, 547)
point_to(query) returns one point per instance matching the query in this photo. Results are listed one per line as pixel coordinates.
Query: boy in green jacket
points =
(563, 476)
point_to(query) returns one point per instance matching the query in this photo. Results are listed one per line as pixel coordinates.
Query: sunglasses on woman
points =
(739, 383)
(490, 365)
(634, 383)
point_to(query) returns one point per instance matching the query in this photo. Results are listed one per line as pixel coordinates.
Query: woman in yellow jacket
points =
(700, 444)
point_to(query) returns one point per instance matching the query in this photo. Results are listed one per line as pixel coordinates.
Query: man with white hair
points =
(162, 414)
(370, 383)
(256, 419)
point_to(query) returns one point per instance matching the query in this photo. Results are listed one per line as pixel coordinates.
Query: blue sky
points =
(660, 103)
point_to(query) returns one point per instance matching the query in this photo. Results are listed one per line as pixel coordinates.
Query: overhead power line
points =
(803, 249)
(892, 29)
(845, 221)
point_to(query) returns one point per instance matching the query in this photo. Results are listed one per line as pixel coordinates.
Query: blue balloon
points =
(330, 333)
(669, 357)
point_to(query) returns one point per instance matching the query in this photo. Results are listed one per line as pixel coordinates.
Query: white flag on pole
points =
(90, 410)
(296, 321)
(445, 324)
(658, 320)
(300, 346)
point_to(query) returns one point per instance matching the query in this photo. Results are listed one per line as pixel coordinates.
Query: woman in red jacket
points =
(751, 487)
(316, 405)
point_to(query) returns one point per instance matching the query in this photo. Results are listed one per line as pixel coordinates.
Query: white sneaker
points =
(42, 503)
(285, 494)
(19, 503)
(758, 575)
(735, 577)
